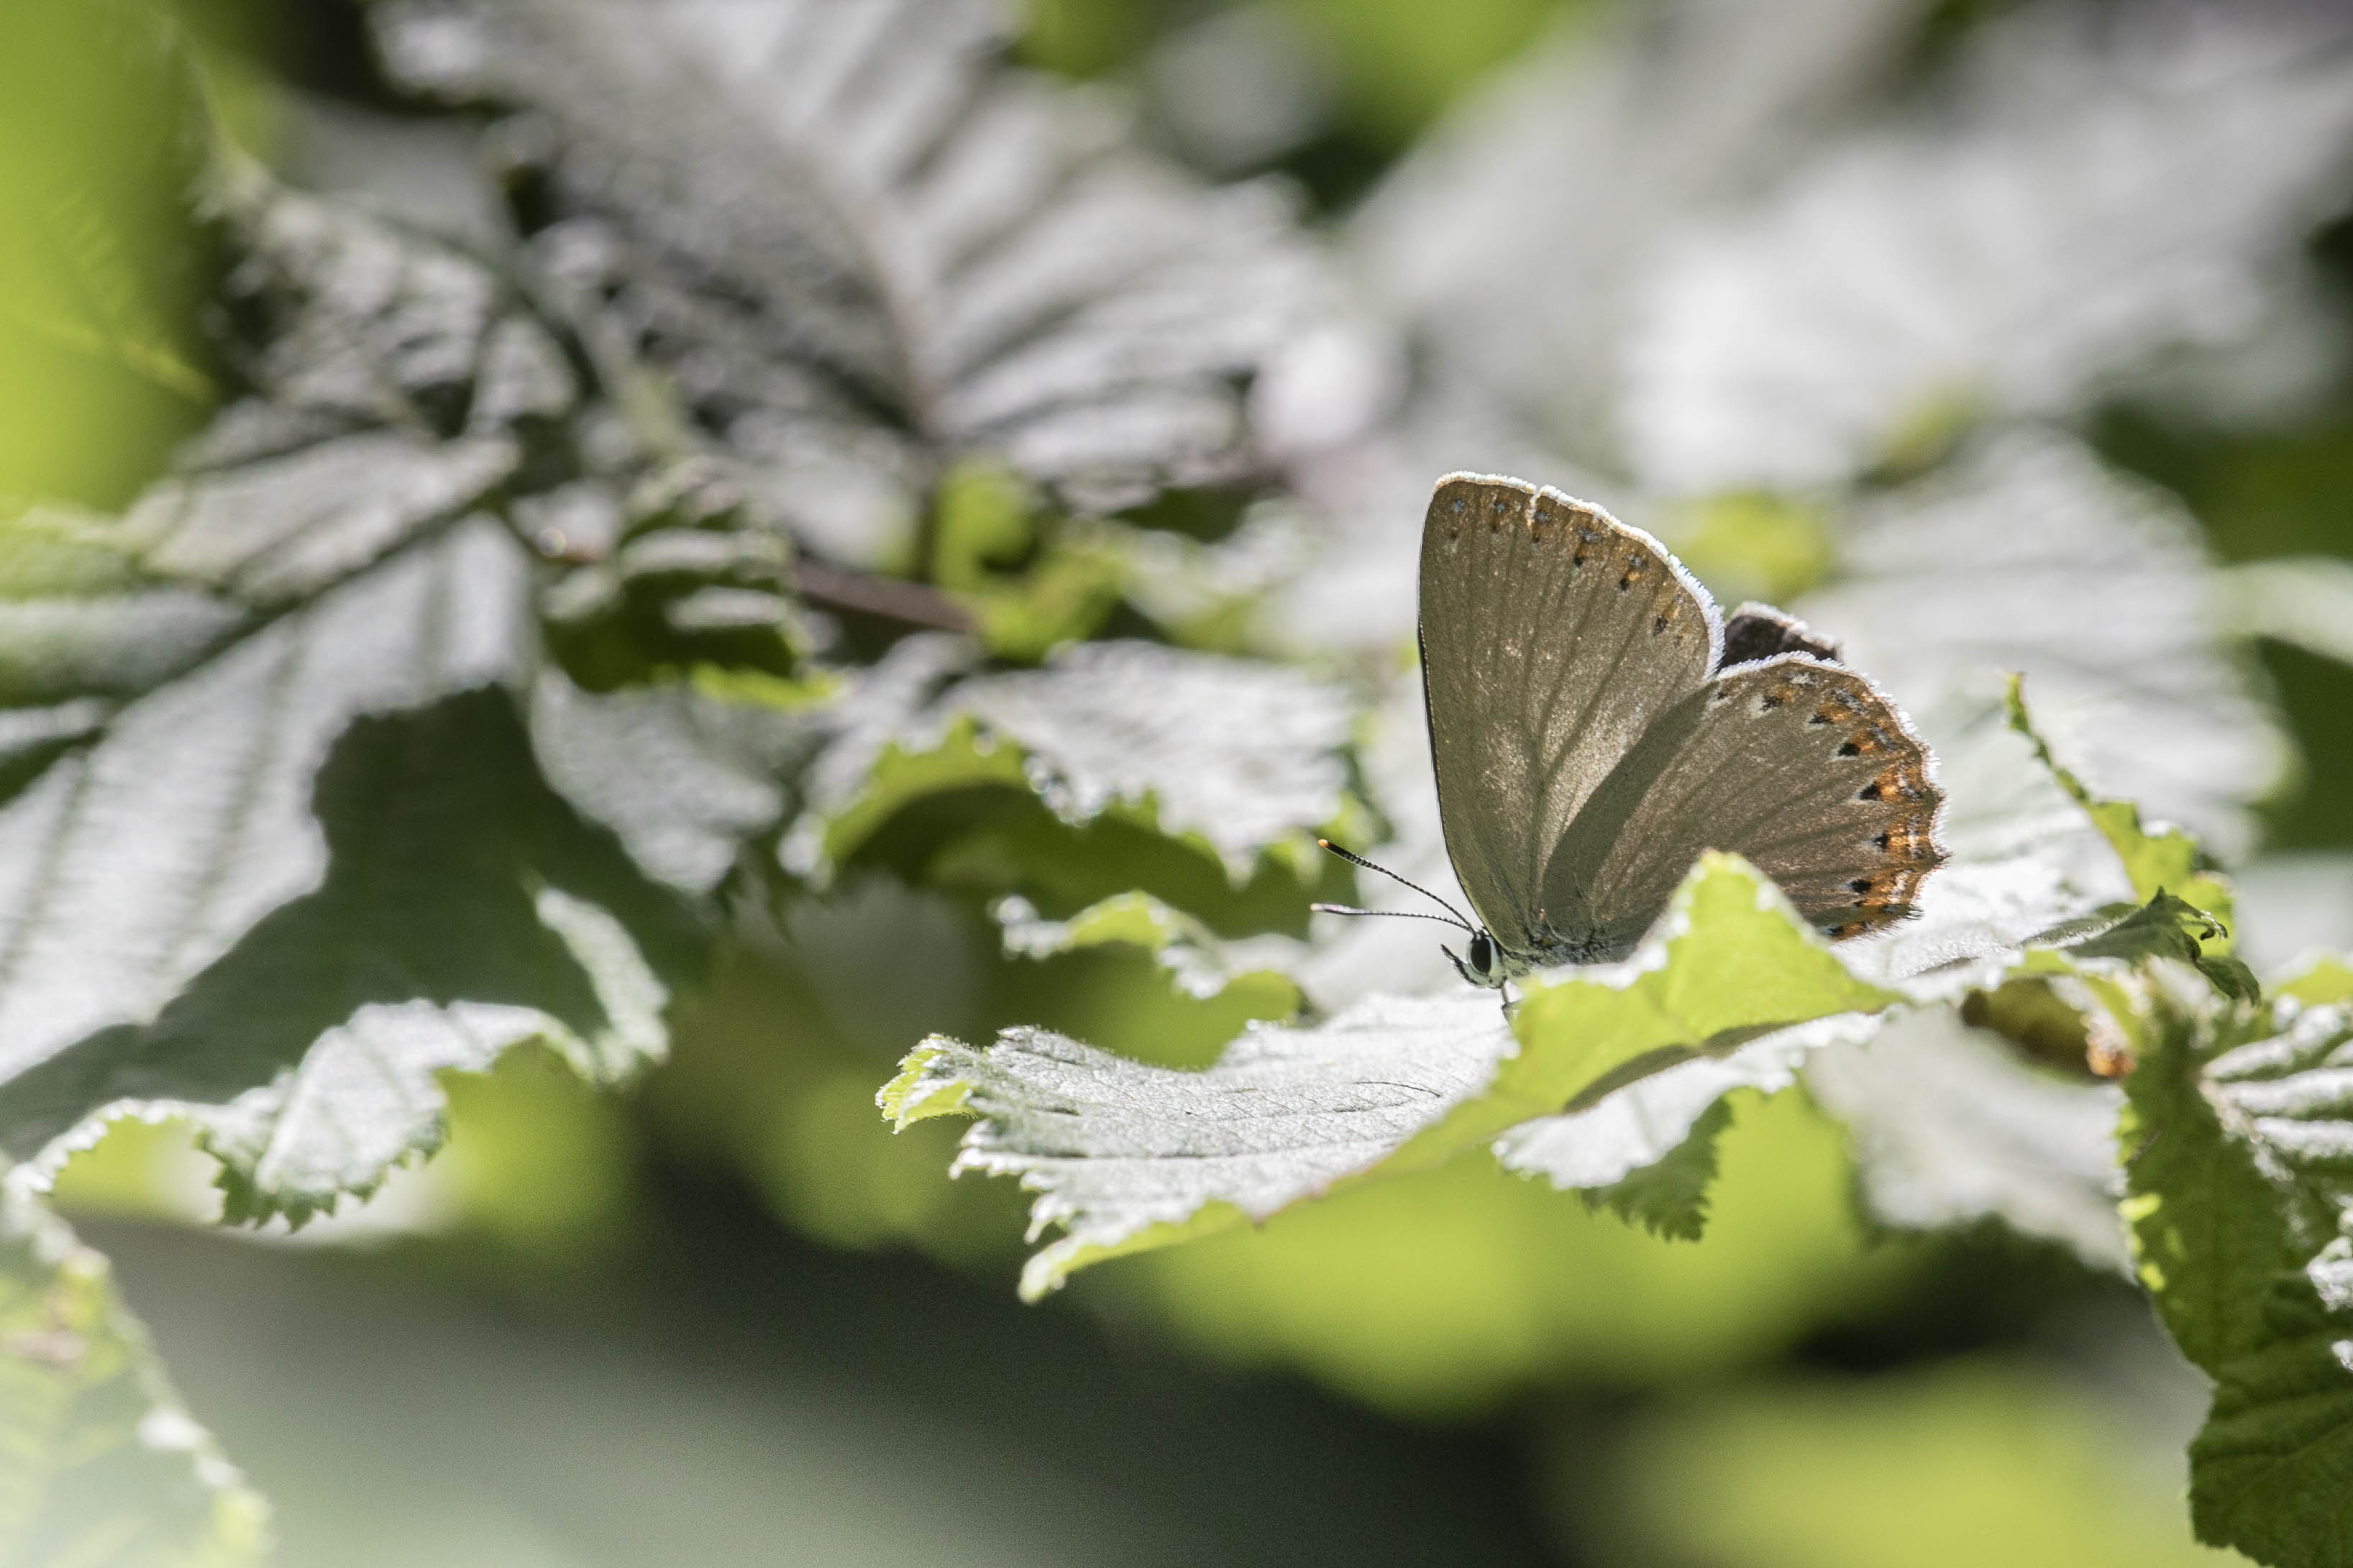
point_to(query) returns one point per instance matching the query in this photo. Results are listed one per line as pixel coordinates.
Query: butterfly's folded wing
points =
(1799, 764)
(1552, 637)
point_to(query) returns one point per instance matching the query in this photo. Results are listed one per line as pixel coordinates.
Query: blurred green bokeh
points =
(102, 268)
(1963, 1465)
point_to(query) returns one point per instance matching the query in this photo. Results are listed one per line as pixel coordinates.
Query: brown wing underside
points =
(1798, 765)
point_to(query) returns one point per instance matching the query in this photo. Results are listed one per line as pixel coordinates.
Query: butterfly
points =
(1596, 723)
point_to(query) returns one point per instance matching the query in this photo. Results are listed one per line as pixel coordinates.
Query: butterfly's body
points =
(1596, 725)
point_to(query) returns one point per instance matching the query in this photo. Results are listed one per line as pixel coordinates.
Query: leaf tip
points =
(924, 1086)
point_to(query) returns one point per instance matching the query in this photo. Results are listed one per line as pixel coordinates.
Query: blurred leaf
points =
(2027, 553)
(857, 246)
(1200, 963)
(683, 778)
(463, 910)
(2304, 600)
(1126, 1157)
(1950, 1126)
(2167, 860)
(693, 583)
(2083, 198)
(102, 1465)
(1232, 757)
(2235, 1140)
(336, 904)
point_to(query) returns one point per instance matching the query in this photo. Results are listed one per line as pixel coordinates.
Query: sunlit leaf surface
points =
(1237, 756)
(219, 704)
(1125, 1156)
(860, 244)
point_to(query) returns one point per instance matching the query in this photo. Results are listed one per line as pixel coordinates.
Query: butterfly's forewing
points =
(1552, 637)
(1797, 764)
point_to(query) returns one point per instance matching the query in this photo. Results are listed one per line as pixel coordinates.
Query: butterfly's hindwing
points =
(1800, 766)
(1553, 639)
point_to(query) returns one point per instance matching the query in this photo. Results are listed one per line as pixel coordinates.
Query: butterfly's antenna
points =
(1392, 914)
(1354, 859)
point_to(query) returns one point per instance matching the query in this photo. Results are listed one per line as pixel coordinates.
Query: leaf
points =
(102, 1465)
(1668, 1197)
(2167, 860)
(1201, 963)
(1622, 1141)
(2236, 1138)
(333, 903)
(854, 244)
(2305, 600)
(1593, 154)
(463, 910)
(2083, 197)
(1126, 1157)
(1064, 593)
(691, 584)
(683, 778)
(1949, 1127)
(349, 322)
(2027, 553)
(1236, 757)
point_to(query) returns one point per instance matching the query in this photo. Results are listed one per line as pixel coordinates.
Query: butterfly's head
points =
(1481, 965)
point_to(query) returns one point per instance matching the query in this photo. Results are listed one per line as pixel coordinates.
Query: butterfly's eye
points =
(1483, 953)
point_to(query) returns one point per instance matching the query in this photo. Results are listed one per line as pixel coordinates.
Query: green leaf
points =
(1234, 758)
(812, 292)
(2160, 861)
(464, 909)
(1668, 1197)
(2238, 1136)
(1125, 1156)
(1620, 1137)
(1202, 965)
(695, 581)
(1031, 580)
(98, 1462)
(274, 711)
(1949, 1125)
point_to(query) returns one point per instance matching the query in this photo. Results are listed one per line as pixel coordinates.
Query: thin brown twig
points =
(893, 597)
